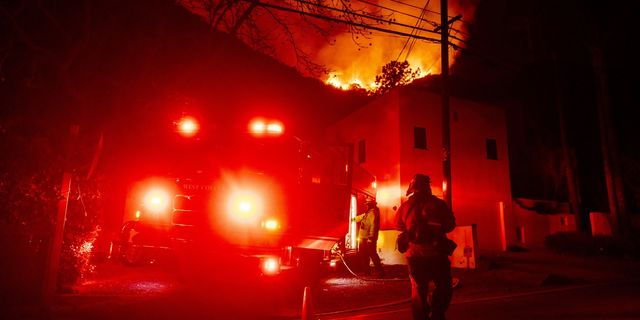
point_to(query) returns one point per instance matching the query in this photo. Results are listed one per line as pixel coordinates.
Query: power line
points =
(419, 8)
(387, 31)
(362, 25)
(433, 23)
(409, 39)
(383, 30)
(413, 40)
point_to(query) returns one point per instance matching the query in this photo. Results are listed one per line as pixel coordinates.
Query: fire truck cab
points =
(260, 196)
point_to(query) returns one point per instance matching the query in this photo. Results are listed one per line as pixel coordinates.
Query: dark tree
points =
(395, 73)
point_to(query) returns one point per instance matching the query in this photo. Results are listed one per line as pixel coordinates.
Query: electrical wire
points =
(362, 25)
(416, 7)
(430, 11)
(362, 15)
(413, 40)
(357, 24)
(367, 16)
(433, 23)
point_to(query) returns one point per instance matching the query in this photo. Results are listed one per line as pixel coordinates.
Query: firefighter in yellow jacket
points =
(368, 237)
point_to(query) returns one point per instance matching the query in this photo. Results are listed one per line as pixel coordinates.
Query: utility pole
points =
(446, 134)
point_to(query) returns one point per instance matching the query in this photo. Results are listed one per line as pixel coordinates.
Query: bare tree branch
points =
(245, 15)
(240, 19)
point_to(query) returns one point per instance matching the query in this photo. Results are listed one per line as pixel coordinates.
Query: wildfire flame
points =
(338, 80)
(393, 30)
(354, 66)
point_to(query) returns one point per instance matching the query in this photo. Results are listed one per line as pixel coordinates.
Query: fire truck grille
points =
(186, 218)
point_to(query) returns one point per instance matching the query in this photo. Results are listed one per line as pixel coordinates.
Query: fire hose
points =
(344, 262)
(455, 283)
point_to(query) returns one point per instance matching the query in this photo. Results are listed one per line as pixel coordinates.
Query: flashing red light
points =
(245, 207)
(275, 128)
(260, 127)
(156, 200)
(270, 266)
(188, 126)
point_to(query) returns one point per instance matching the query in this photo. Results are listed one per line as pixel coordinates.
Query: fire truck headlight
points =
(270, 265)
(245, 207)
(157, 200)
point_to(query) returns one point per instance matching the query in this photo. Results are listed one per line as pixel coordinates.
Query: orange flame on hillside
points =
(354, 66)
(401, 30)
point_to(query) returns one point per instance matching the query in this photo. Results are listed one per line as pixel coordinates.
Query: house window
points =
(420, 138)
(362, 152)
(492, 149)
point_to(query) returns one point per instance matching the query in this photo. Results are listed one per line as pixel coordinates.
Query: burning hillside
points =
(343, 43)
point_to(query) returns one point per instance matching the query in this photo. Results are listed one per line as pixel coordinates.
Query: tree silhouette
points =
(395, 73)
(280, 28)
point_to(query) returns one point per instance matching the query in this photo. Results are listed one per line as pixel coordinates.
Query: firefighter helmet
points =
(419, 183)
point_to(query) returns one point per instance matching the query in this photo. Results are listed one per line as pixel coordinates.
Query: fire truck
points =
(259, 197)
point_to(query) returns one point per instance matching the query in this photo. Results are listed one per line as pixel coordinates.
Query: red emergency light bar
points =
(261, 127)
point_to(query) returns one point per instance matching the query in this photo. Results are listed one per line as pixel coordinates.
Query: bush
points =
(81, 232)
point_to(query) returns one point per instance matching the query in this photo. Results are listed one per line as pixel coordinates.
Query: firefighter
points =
(427, 219)
(368, 237)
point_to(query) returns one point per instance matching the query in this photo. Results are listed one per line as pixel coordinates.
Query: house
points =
(400, 134)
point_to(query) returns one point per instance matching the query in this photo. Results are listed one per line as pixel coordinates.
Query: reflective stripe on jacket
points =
(369, 224)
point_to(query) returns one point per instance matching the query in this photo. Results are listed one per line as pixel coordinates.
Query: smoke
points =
(356, 59)
(348, 53)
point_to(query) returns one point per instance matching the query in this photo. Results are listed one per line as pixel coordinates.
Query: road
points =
(611, 300)
(515, 290)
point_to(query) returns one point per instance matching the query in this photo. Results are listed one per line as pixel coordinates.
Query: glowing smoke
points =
(350, 58)
(350, 63)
